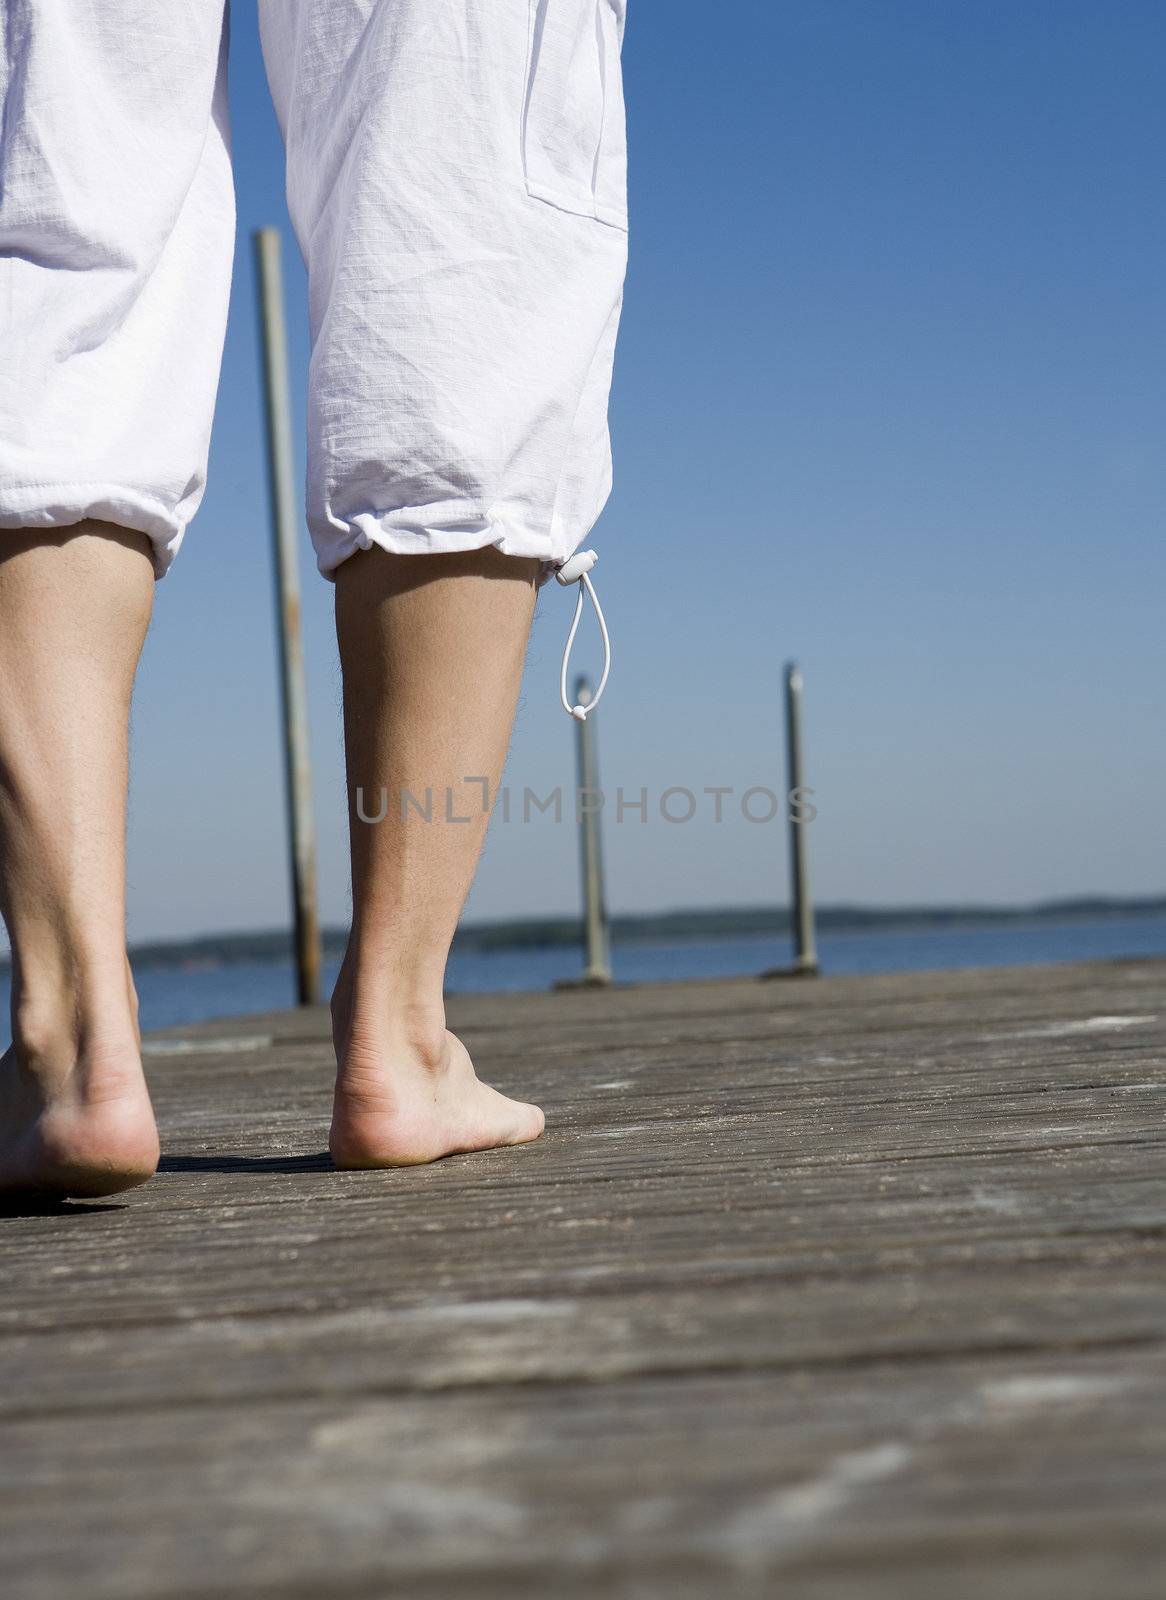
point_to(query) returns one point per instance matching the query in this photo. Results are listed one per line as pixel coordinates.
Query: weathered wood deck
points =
(850, 1289)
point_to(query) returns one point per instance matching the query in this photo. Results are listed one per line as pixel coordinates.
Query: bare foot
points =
(78, 1127)
(419, 1105)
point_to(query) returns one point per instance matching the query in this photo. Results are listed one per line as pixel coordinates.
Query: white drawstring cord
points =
(575, 570)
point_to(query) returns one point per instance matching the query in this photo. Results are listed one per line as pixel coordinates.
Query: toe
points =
(532, 1123)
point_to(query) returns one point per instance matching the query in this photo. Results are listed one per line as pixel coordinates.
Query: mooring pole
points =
(801, 906)
(597, 942)
(293, 689)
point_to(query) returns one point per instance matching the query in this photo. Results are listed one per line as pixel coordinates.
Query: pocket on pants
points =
(574, 145)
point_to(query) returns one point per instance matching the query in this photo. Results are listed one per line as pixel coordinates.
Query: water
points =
(172, 996)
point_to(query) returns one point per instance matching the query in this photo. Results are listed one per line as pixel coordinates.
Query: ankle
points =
(372, 1013)
(62, 1024)
(388, 1036)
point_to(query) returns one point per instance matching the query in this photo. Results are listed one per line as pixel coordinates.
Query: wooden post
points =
(596, 936)
(293, 689)
(801, 906)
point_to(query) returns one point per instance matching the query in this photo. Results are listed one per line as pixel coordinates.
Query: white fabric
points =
(456, 179)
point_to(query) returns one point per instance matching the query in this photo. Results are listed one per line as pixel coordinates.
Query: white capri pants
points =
(456, 180)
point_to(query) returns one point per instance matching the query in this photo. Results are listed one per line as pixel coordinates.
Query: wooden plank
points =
(851, 1288)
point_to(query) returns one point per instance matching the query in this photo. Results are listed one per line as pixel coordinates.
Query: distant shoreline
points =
(729, 922)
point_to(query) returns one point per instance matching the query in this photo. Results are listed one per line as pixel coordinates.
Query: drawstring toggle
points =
(576, 570)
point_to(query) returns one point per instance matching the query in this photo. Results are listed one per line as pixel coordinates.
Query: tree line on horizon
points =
(524, 933)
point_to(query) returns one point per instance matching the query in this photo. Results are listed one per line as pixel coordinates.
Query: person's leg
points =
(75, 1116)
(456, 179)
(432, 650)
(115, 261)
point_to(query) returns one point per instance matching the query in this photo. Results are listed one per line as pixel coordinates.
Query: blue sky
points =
(890, 399)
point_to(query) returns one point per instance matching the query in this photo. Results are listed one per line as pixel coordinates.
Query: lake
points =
(172, 996)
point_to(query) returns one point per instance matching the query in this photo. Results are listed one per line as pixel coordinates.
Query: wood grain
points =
(849, 1289)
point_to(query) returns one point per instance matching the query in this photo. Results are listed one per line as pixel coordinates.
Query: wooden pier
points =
(848, 1290)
